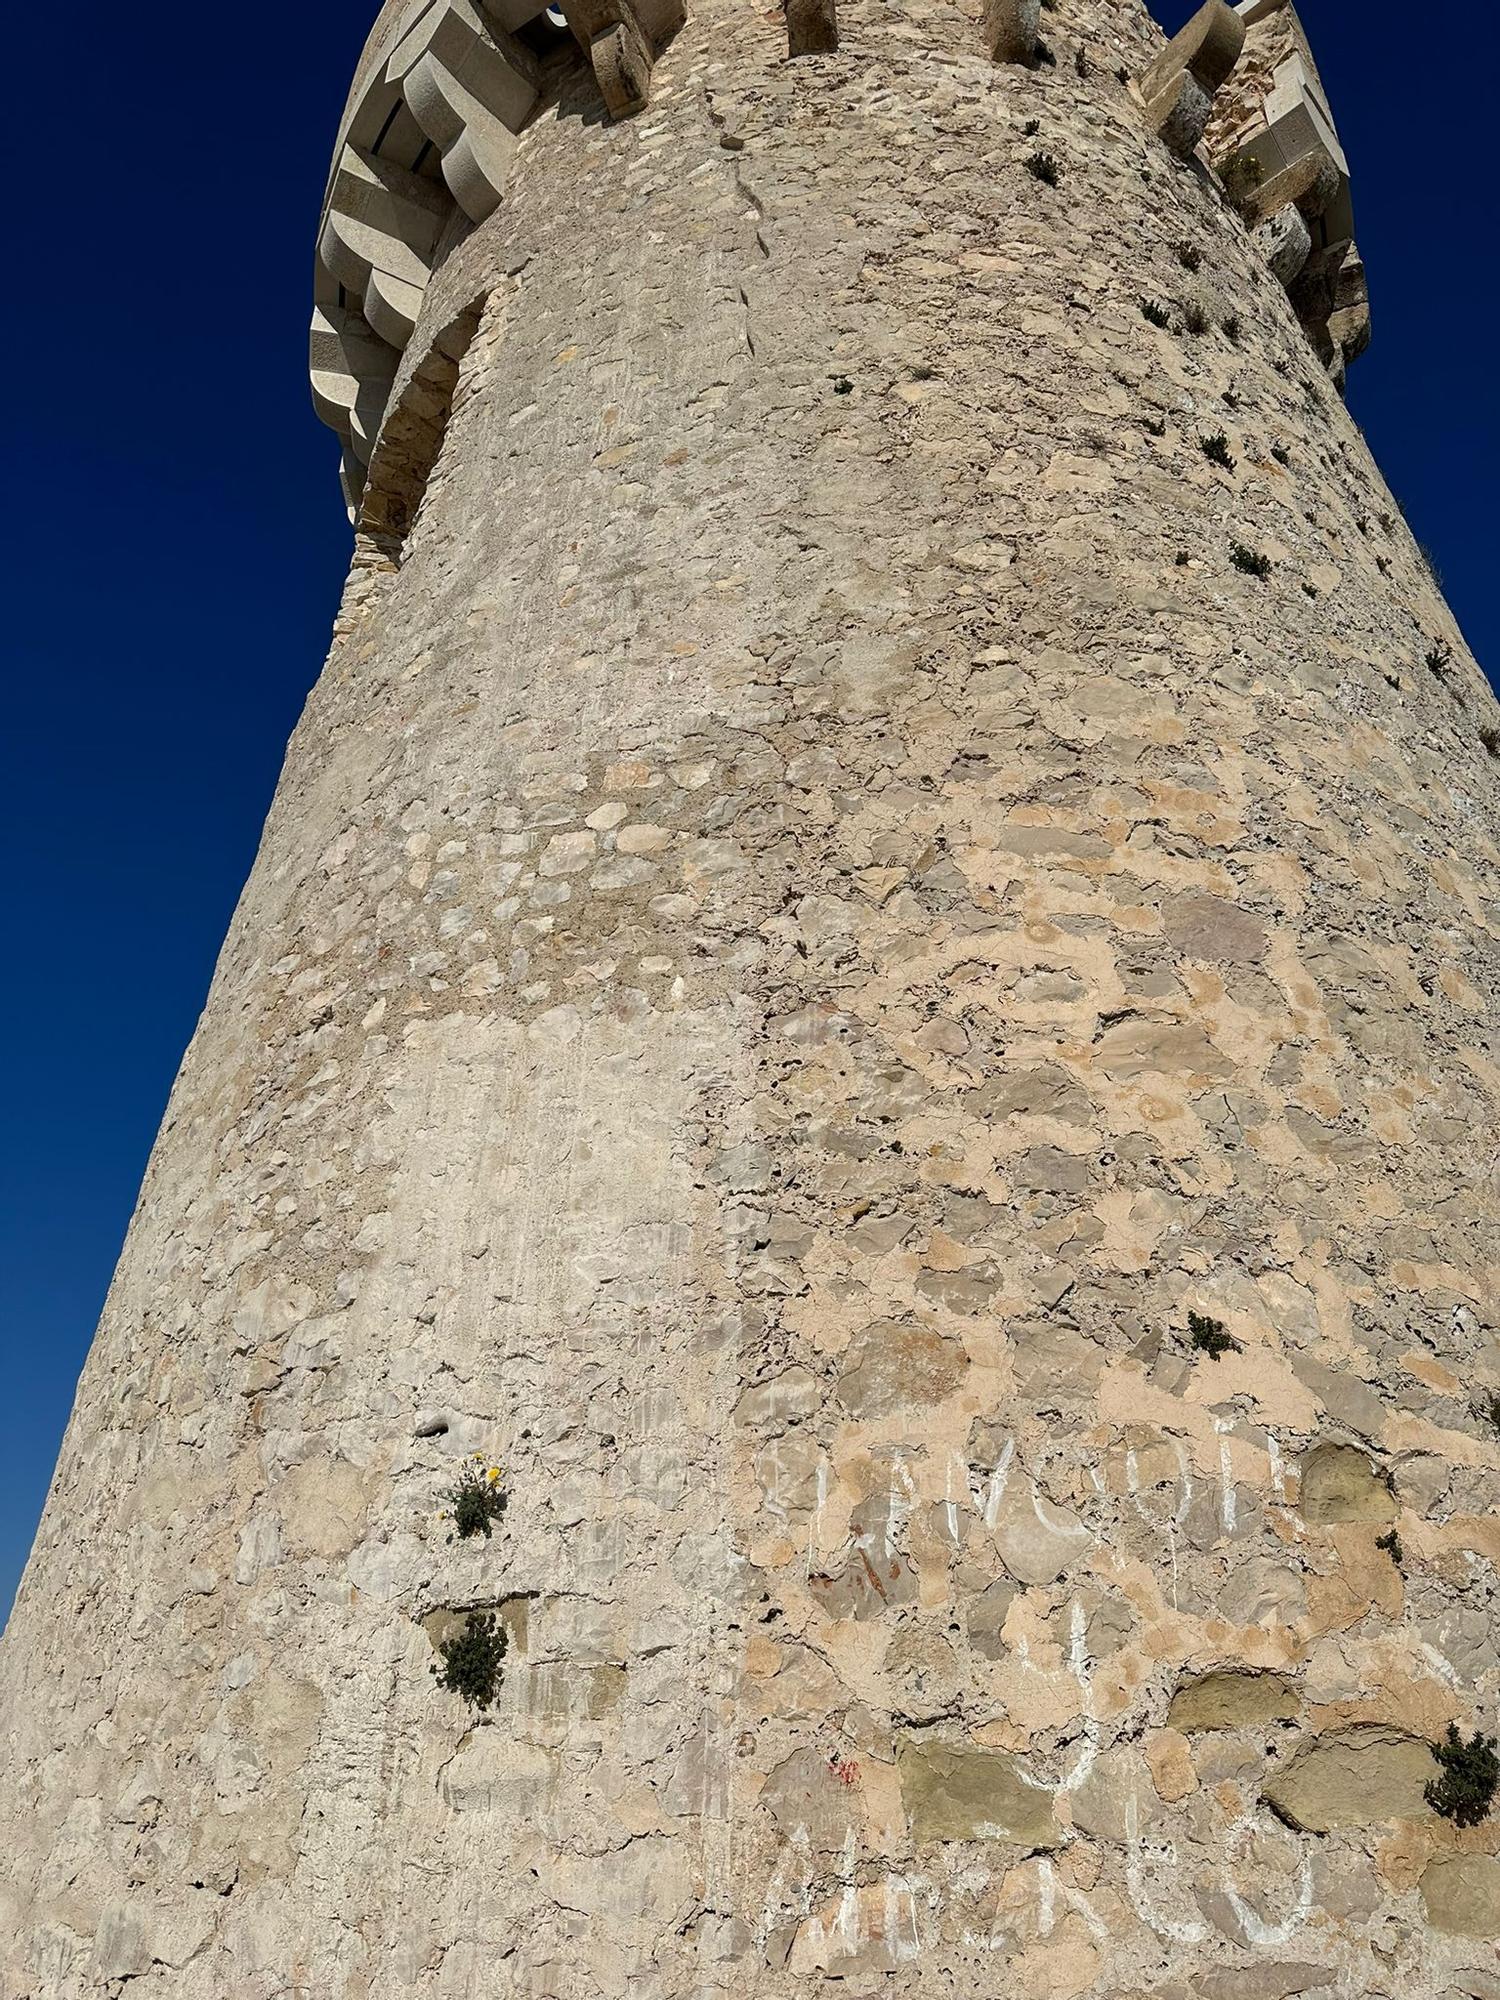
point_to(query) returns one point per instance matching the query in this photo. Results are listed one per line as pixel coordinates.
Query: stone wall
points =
(845, 879)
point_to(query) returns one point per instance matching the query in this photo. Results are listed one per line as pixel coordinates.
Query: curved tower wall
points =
(815, 926)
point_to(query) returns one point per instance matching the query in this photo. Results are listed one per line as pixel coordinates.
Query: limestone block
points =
(351, 370)
(469, 97)
(379, 237)
(1339, 1483)
(1358, 1778)
(1461, 1895)
(1279, 1980)
(622, 38)
(1285, 242)
(812, 27)
(1179, 86)
(1232, 1699)
(954, 1793)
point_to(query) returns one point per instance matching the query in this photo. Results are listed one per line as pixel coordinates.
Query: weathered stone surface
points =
(894, 1366)
(1355, 1778)
(1234, 1700)
(1262, 1982)
(953, 1793)
(1339, 1483)
(1461, 1895)
(1210, 928)
(797, 941)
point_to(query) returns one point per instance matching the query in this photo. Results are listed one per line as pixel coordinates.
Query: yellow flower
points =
(493, 1474)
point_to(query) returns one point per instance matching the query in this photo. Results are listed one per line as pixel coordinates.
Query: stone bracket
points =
(621, 38)
(812, 27)
(1178, 88)
(1011, 30)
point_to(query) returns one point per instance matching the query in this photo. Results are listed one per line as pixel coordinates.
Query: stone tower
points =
(874, 971)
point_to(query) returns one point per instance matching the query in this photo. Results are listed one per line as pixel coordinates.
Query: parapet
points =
(1272, 138)
(445, 87)
(423, 153)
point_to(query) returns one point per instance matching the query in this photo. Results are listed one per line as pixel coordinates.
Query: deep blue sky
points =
(178, 545)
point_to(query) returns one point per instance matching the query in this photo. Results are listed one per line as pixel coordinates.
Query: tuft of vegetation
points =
(1489, 1409)
(1195, 317)
(1156, 312)
(1471, 1771)
(1189, 256)
(1281, 455)
(1210, 1336)
(1032, 127)
(477, 1501)
(1233, 327)
(1042, 167)
(842, 386)
(472, 1661)
(1439, 658)
(1183, 558)
(1216, 450)
(1251, 561)
(1489, 736)
(1082, 64)
(1391, 1543)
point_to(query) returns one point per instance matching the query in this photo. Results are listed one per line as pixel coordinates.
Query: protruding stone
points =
(1179, 86)
(1340, 1484)
(951, 1792)
(812, 27)
(1234, 1700)
(1359, 1778)
(1285, 242)
(1010, 29)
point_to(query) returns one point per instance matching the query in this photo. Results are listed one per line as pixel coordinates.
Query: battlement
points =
(1273, 139)
(445, 87)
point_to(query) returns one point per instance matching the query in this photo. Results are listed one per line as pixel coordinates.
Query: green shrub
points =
(1189, 256)
(1251, 561)
(1216, 448)
(1156, 312)
(1471, 1771)
(1391, 1543)
(1042, 167)
(1209, 1336)
(477, 1500)
(1195, 317)
(471, 1662)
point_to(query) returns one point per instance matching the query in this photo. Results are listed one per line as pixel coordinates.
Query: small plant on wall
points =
(472, 1660)
(1209, 1336)
(477, 1501)
(1471, 1771)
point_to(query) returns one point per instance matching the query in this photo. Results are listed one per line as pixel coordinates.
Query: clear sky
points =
(177, 543)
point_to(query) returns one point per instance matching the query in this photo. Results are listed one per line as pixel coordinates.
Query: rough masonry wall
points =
(814, 919)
